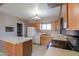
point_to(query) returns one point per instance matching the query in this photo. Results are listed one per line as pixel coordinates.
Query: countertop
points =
(52, 51)
(15, 39)
(56, 36)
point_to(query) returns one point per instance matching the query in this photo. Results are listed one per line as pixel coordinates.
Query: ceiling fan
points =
(36, 16)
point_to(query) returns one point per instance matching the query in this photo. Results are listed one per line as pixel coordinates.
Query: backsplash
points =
(50, 32)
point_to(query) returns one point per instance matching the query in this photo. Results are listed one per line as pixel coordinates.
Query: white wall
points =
(8, 20)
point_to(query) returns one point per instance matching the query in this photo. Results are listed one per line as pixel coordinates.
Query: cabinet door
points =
(13, 50)
(44, 40)
(27, 48)
(41, 40)
(47, 40)
(71, 22)
(36, 25)
(64, 11)
(76, 16)
(18, 49)
(9, 49)
(73, 16)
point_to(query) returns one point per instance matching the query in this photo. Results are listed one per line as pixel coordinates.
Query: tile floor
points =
(39, 50)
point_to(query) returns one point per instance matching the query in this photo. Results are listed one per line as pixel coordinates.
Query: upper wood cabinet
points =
(55, 25)
(36, 25)
(71, 10)
(73, 15)
(64, 11)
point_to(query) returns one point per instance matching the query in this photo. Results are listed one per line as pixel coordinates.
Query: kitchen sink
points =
(58, 44)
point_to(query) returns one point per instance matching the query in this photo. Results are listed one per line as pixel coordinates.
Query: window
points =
(45, 26)
(9, 29)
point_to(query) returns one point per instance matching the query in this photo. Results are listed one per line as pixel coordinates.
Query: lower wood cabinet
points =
(23, 49)
(44, 39)
(27, 48)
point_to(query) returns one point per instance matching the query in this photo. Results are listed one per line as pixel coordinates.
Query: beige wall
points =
(8, 20)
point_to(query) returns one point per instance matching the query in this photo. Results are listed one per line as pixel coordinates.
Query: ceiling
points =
(26, 10)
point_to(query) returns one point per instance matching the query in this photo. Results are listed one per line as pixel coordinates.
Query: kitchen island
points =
(17, 46)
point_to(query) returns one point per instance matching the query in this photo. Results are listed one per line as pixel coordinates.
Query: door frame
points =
(23, 34)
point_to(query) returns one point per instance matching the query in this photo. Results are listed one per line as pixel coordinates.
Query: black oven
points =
(72, 37)
(72, 43)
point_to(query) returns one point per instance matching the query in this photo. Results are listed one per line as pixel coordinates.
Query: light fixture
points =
(36, 14)
(36, 17)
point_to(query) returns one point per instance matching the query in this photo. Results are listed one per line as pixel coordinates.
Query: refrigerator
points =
(31, 32)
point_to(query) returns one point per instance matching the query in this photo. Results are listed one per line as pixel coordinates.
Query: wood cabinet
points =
(23, 49)
(55, 25)
(27, 48)
(71, 19)
(36, 25)
(64, 17)
(44, 39)
(64, 11)
(70, 12)
(73, 15)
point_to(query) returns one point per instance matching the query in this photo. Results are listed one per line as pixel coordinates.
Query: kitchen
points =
(20, 32)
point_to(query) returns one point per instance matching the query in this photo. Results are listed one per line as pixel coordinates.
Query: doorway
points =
(19, 29)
